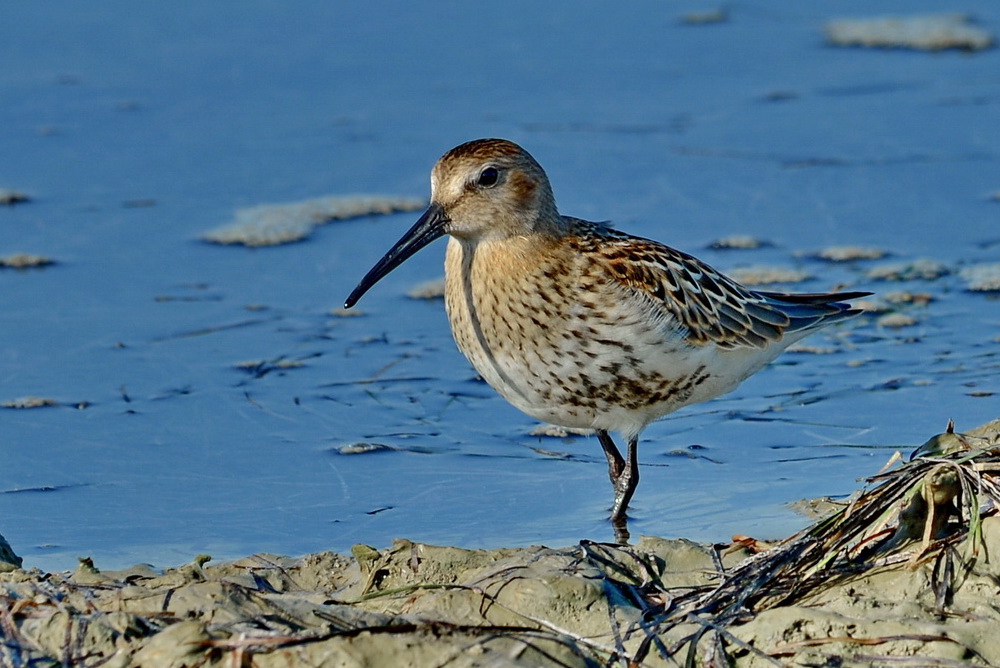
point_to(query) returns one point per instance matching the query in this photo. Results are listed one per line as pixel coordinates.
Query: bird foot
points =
(620, 525)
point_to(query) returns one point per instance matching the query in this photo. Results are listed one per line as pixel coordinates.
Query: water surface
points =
(136, 129)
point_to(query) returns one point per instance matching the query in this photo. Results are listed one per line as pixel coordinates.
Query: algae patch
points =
(982, 277)
(25, 261)
(10, 197)
(765, 275)
(275, 224)
(933, 32)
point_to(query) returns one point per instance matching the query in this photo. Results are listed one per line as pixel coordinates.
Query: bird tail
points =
(809, 311)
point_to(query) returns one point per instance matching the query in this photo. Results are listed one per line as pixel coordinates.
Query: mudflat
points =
(903, 573)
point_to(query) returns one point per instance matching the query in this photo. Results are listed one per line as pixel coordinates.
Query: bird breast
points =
(559, 339)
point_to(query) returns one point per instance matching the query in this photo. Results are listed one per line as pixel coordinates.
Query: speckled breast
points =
(564, 346)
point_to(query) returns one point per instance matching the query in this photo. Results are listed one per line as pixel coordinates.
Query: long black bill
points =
(427, 229)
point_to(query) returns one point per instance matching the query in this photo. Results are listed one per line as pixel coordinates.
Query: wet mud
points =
(884, 579)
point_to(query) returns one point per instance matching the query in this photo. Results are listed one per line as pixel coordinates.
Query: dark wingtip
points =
(807, 311)
(816, 297)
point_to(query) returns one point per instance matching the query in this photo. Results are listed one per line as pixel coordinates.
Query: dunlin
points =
(580, 325)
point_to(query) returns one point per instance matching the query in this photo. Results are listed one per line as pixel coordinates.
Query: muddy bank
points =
(907, 574)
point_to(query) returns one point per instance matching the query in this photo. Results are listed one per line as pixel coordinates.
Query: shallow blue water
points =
(135, 130)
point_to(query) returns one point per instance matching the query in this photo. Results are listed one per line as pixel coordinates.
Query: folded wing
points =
(711, 307)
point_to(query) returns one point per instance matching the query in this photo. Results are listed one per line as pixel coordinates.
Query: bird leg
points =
(627, 481)
(615, 462)
(624, 476)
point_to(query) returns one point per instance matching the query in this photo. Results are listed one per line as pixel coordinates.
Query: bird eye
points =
(489, 177)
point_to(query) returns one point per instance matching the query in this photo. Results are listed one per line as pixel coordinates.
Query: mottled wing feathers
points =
(711, 307)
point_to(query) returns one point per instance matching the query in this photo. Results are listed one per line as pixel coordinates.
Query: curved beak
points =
(430, 226)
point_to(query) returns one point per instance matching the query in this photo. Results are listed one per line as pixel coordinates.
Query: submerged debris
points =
(764, 275)
(738, 241)
(274, 224)
(432, 289)
(25, 261)
(30, 402)
(907, 297)
(889, 302)
(872, 305)
(705, 17)
(896, 320)
(780, 96)
(260, 368)
(932, 32)
(848, 253)
(363, 448)
(982, 277)
(10, 197)
(922, 269)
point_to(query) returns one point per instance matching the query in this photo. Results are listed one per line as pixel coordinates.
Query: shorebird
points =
(580, 325)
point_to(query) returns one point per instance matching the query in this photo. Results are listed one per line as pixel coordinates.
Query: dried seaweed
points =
(908, 518)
